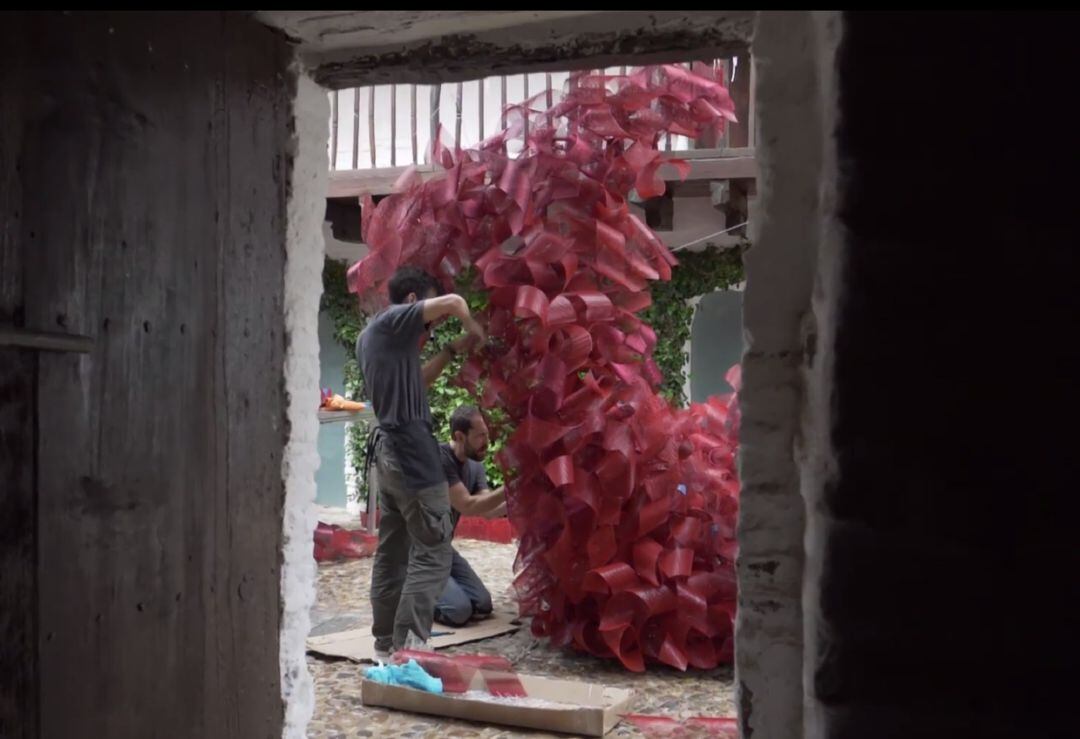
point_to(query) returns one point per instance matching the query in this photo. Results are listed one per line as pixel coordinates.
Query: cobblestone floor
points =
(342, 603)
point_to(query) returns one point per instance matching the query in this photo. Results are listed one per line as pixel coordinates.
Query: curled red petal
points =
(611, 578)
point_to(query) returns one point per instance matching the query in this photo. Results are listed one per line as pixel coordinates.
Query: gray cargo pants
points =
(414, 555)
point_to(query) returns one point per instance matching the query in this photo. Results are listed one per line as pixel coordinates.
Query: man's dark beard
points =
(477, 455)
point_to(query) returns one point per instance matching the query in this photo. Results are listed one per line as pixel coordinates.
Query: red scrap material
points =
(662, 727)
(333, 542)
(625, 506)
(458, 670)
(498, 530)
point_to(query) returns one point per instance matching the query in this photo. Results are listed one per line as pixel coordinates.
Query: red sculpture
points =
(626, 506)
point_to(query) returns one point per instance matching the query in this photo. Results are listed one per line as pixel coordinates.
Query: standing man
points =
(465, 595)
(413, 557)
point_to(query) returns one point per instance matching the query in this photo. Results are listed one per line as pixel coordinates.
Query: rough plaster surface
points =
(556, 41)
(303, 288)
(780, 272)
(325, 30)
(816, 455)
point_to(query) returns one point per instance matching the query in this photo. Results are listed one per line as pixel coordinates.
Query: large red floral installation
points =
(625, 505)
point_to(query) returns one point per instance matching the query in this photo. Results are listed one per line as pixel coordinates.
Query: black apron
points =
(413, 445)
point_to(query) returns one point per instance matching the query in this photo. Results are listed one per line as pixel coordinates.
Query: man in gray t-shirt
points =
(413, 557)
(465, 596)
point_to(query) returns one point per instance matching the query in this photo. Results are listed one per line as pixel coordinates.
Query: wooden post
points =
(752, 116)
(393, 125)
(333, 129)
(725, 76)
(371, 122)
(480, 107)
(667, 137)
(550, 101)
(457, 110)
(502, 102)
(356, 129)
(525, 111)
(412, 122)
(436, 94)
(21, 676)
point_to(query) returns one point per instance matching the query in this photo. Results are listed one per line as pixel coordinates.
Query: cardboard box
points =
(590, 709)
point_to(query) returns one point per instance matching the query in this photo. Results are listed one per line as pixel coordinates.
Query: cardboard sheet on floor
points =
(359, 645)
(565, 706)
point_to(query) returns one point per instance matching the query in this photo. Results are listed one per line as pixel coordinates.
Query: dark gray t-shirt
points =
(388, 352)
(469, 473)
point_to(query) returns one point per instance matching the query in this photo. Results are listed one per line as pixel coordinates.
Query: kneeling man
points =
(465, 596)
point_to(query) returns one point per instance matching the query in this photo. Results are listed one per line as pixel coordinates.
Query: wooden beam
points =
(598, 40)
(717, 153)
(45, 341)
(715, 164)
(692, 188)
(356, 183)
(705, 164)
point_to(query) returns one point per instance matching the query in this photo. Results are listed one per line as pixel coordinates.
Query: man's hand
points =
(464, 343)
(474, 328)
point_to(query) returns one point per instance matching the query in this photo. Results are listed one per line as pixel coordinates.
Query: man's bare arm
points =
(452, 305)
(499, 512)
(475, 505)
(434, 366)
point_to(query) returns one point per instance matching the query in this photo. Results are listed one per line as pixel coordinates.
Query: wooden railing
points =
(390, 127)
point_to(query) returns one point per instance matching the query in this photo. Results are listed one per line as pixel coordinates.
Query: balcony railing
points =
(389, 127)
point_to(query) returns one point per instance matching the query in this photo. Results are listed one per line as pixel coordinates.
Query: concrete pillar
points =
(780, 271)
(305, 249)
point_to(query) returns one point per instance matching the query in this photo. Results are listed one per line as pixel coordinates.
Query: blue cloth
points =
(410, 675)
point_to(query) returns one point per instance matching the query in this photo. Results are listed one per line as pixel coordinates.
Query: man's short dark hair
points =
(462, 418)
(411, 280)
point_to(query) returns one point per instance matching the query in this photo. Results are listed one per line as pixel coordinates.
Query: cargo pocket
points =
(429, 525)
